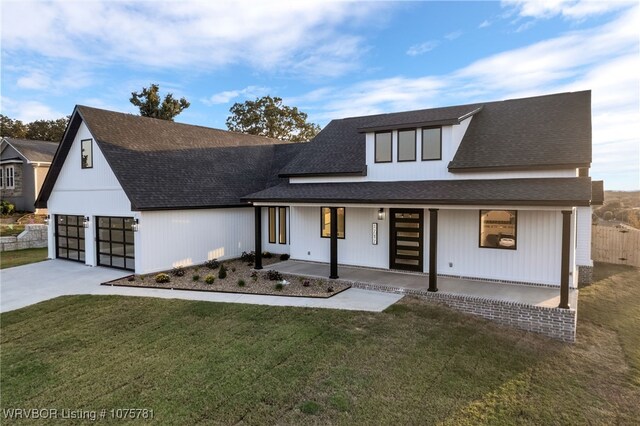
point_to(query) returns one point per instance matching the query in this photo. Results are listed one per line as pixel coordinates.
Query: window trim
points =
(415, 143)
(10, 183)
(515, 227)
(344, 225)
(375, 146)
(272, 216)
(1, 177)
(282, 225)
(422, 129)
(82, 165)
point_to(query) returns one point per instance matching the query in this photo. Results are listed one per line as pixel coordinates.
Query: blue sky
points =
(331, 59)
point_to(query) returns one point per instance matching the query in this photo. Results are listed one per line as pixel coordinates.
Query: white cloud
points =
(453, 35)
(569, 9)
(227, 95)
(28, 111)
(604, 60)
(197, 35)
(484, 24)
(419, 49)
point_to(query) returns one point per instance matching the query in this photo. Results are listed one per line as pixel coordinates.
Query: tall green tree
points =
(148, 101)
(12, 128)
(267, 116)
(47, 130)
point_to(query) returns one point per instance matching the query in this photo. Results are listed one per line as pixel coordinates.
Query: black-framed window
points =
(407, 145)
(272, 225)
(383, 147)
(282, 225)
(86, 154)
(498, 229)
(431, 143)
(325, 222)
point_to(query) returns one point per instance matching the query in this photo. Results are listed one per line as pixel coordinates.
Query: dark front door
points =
(70, 237)
(115, 242)
(406, 238)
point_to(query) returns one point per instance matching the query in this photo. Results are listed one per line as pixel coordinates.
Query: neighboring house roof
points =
(34, 151)
(537, 191)
(597, 193)
(520, 134)
(165, 165)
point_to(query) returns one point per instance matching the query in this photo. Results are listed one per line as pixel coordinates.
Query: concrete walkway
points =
(25, 285)
(397, 281)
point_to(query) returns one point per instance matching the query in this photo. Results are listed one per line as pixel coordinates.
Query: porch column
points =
(258, 232)
(566, 249)
(433, 250)
(334, 242)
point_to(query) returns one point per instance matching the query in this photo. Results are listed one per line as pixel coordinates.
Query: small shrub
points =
(209, 279)
(178, 271)
(222, 273)
(142, 277)
(267, 255)
(6, 207)
(233, 269)
(278, 286)
(131, 278)
(212, 264)
(196, 277)
(241, 283)
(329, 289)
(306, 283)
(254, 276)
(163, 278)
(274, 275)
(284, 256)
(248, 257)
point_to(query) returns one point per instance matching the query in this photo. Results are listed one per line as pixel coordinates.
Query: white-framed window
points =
(9, 177)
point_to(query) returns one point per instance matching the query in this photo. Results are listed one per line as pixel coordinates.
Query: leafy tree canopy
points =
(148, 101)
(44, 130)
(267, 116)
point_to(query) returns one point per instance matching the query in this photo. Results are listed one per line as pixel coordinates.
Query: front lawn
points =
(11, 230)
(9, 259)
(198, 362)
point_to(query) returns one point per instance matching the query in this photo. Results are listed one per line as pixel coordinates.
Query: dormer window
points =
(407, 145)
(383, 147)
(432, 143)
(86, 154)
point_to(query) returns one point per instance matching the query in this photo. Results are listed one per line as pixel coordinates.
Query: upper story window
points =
(383, 147)
(9, 181)
(86, 148)
(498, 229)
(406, 145)
(432, 143)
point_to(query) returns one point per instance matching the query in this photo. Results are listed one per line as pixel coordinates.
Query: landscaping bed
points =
(240, 278)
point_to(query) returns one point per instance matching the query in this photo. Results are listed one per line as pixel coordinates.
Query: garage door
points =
(115, 242)
(70, 237)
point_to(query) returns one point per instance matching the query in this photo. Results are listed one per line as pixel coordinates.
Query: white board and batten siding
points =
(189, 237)
(87, 192)
(536, 259)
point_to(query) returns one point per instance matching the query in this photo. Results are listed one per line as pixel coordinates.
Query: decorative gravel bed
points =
(241, 278)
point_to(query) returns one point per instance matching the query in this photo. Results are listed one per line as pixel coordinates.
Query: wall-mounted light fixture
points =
(85, 222)
(381, 214)
(47, 219)
(135, 225)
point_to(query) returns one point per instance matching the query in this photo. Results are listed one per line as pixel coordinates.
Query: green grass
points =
(199, 362)
(11, 230)
(9, 259)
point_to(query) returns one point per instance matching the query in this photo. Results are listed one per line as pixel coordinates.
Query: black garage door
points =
(115, 242)
(70, 237)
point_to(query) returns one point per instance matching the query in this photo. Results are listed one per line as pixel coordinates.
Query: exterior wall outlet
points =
(308, 253)
(450, 264)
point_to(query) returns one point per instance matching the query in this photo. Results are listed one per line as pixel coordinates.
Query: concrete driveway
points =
(25, 285)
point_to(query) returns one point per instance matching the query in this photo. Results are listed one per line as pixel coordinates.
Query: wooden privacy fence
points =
(615, 245)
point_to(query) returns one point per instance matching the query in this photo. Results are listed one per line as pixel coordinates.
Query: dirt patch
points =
(241, 278)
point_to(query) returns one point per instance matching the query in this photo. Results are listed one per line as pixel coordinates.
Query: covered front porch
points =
(527, 307)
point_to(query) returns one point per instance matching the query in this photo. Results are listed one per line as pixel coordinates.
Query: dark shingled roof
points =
(166, 165)
(539, 191)
(520, 134)
(34, 151)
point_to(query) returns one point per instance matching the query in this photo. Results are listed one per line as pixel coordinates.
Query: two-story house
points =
(493, 191)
